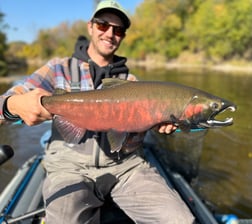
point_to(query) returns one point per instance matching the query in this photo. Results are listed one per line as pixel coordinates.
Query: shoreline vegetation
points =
(222, 67)
(151, 64)
(193, 36)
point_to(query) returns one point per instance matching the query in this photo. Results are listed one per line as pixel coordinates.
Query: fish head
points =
(201, 111)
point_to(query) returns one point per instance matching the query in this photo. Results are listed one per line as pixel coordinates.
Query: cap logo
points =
(114, 4)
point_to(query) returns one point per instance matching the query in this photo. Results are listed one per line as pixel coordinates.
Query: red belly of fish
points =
(120, 116)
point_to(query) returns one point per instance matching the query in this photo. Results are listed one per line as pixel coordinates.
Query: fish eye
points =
(214, 106)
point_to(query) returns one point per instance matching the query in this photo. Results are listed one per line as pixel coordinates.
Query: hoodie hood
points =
(98, 73)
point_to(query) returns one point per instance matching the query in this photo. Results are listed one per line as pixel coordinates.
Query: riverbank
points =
(151, 64)
(222, 67)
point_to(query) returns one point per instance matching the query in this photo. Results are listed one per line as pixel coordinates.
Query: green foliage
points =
(221, 28)
(60, 41)
(158, 28)
(214, 29)
(3, 48)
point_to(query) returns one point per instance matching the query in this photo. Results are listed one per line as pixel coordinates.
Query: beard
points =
(105, 48)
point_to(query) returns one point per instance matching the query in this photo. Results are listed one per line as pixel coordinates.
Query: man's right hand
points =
(28, 106)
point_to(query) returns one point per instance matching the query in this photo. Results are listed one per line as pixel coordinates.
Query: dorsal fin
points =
(59, 91)
(112, 82)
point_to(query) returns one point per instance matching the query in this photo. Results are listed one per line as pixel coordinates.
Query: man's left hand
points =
(167, 128)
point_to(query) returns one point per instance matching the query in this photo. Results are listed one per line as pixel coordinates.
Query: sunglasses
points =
(103, 26)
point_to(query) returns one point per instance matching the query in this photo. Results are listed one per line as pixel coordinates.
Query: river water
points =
(225, 167)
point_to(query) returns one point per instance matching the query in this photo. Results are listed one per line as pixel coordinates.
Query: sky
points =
(26, 17)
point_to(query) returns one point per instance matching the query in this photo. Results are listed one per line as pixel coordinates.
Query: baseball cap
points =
(114, 7)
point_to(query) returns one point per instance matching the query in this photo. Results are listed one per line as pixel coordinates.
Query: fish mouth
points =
(213, 122)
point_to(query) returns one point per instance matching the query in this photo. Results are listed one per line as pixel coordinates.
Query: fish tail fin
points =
(69, 132)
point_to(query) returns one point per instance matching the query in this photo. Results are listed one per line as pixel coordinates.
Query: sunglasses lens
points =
(104, 26)
(119, 31)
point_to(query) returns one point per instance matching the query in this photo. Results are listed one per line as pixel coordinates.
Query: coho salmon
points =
(134, 106)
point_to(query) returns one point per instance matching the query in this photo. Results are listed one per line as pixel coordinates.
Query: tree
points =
(3, 48)
(159, 28)
(221, 29)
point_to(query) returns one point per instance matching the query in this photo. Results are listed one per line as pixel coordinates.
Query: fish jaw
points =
(212, 122)
(202, 112)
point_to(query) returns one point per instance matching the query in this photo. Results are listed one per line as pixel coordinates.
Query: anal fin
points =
(116, 140)
(69, 132)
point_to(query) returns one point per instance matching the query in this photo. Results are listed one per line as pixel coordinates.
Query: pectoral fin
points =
(184, 125)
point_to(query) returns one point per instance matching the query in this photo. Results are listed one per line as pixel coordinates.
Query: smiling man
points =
(81, 176)
(104, 46)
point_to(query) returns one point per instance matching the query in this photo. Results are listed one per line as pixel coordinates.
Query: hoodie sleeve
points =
(42, 78)
(17, 89)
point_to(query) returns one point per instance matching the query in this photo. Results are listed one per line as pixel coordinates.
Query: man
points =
(81, 176)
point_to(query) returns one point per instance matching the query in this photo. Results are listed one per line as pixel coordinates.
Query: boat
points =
(21, 201)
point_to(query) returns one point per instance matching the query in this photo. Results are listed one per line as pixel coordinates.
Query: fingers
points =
(39, 113)
(43, 113)
(167, 128)
(131, 78)
(28, 106)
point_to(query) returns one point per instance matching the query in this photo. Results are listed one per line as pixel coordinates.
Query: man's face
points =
(107, 32)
